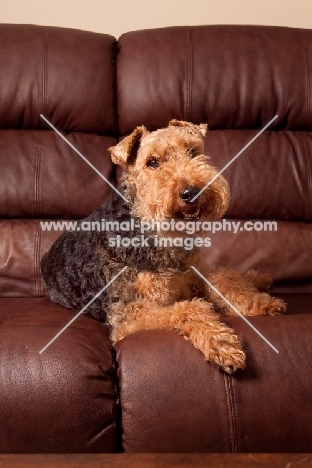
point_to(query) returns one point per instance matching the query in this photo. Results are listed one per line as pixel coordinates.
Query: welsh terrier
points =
(164, 173)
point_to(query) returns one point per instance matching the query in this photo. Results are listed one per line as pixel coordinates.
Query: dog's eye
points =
(153, 163)
(193, 152)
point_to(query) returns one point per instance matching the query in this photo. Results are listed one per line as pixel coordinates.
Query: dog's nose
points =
(188, 194)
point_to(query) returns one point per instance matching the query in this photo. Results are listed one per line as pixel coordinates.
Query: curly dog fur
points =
(163, 171)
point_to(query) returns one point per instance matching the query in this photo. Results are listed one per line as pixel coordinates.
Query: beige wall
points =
(118, 16)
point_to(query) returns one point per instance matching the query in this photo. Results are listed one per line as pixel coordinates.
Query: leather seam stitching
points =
(235, 425)
(188, 105)
(227, 392)
(37, 241)
(17, 309)
(309, 181)
(307, 75)
(37, 208)
(40, 284)
(45, 71)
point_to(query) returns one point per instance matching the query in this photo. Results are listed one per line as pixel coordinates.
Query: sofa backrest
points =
(236, 78)
(69, 77)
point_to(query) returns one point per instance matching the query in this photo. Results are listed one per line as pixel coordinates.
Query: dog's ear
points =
(125, 152)
(192, 128)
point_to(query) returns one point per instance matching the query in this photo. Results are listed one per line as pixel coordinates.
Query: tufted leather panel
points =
(236, 78)
(271, 179)
(23, 242)
(67, 75)
(53, 180)
(229, 76)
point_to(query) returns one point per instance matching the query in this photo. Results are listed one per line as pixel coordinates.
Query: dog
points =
(164, 172)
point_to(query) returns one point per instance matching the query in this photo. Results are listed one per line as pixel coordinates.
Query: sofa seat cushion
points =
(265, 408)
(62, 400)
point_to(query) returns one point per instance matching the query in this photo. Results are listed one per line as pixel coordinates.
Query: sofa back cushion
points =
(69, 77)
(236, 78)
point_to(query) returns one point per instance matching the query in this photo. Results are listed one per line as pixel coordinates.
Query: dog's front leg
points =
(241, 292)
(195, 320)
(244, 292)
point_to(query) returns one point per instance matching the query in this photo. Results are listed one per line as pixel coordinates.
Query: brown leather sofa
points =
(154, 392)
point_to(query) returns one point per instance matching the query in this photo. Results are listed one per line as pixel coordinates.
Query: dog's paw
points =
(264, 304)
(230, 357)
(276, 307)
(224, 350)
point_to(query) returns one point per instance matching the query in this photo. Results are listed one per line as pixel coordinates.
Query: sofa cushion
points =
(45, 178)
(62, 400)
(271, 179)
(284, 253)
(236, 78)
(230, 76)
(66, 74)
(174, 401)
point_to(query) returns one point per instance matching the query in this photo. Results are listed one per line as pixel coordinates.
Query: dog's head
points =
(166, 170)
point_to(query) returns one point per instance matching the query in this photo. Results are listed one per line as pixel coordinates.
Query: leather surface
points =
(53, 180)
(174, 401)
(212, 74)
(69, 76)
(236, 79)
(22, 244)
(64, 399)
(65, 74)
(284, 254)
(271, 179)
(229, 76)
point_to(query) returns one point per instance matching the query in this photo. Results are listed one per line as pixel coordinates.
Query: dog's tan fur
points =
(181, 300)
